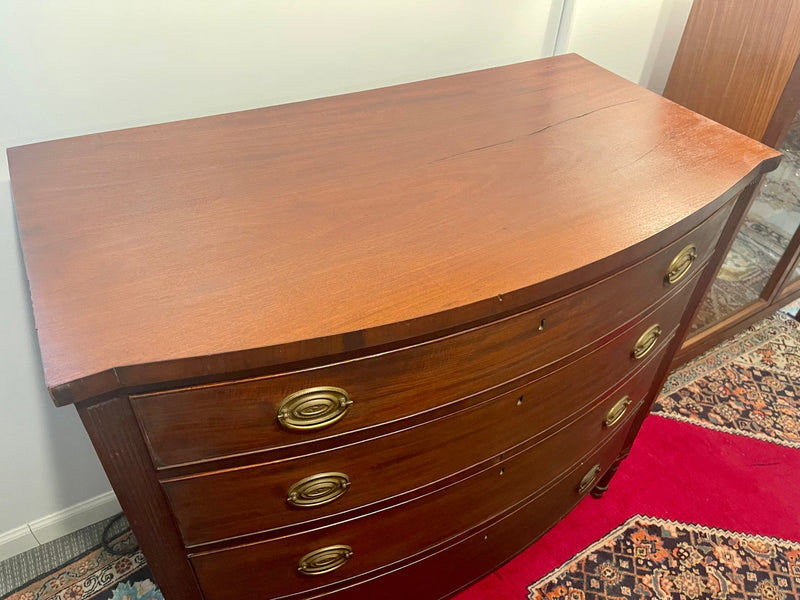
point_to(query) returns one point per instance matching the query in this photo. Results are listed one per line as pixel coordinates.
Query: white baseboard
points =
(16, 542)
(75, 517)
(58, 524)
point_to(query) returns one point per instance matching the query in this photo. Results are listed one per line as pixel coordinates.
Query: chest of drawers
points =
(372, 346)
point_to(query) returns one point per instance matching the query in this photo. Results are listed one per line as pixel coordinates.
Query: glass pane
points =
(769, 225)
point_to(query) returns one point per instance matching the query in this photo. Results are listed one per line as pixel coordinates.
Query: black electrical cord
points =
(118, 548)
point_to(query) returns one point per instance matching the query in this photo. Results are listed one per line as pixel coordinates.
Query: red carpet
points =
(676, 471)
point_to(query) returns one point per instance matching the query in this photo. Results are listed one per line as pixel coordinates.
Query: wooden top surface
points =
(224, 243)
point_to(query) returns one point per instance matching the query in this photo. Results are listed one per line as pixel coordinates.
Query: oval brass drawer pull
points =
(588, 479)
(324, 560)
(681, 264)
(313, 408)
(318, 489)
(646, 342)
(617, 412)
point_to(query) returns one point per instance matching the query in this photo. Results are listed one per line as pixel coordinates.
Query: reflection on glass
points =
(767, 229)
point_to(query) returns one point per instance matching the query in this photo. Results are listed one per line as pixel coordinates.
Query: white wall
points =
(636, 39)
(69, 68)
(46, 461)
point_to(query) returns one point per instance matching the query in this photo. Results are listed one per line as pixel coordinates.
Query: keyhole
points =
(519, 400)
(541, 325)
(502, 471)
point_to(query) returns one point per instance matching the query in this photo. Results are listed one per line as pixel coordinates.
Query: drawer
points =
(207, 422)
(441, 573)
(253, 499)
(384, 538)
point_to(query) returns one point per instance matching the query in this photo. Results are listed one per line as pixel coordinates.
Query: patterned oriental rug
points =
(703, 488)
(98, 575)
(725, 519)
(678, 472)
(653, 558)
(749, 385)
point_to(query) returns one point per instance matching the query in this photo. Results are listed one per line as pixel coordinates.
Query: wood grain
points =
(701, 289)
(112, 428)
(202, 423)
(217, 245)
(251, 500)
(786, 110)
(734, 60)
(689, 347)
(739, 64)
(412, 527)
(405, 244)
(441, 574)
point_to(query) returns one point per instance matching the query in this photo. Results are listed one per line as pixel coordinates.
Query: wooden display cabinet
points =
(738, 64)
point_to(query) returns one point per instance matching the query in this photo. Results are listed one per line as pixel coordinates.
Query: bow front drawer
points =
(325, 556)
(260, 497)
(207, 422)
(369, 346)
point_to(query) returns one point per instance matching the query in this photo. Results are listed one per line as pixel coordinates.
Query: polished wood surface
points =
(469, 266)
(203, 423)
(237, 242)
(739, 64)
(689, 346)
(413, 527)
(253, 499)
(734, 60)
(112, 429)
(785, 111)
(442, 572)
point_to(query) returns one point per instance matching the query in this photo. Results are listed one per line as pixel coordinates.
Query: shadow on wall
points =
(48, 462)
(84, 66)
(669, 30)
(636, 40)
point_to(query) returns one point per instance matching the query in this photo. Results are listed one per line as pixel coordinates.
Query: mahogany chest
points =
(373, 346)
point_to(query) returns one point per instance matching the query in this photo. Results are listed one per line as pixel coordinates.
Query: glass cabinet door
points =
(765, 233)
(793, 281)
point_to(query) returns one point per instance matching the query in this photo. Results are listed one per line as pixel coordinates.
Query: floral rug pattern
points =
(748, 385)
(654, 558)
(97, 575)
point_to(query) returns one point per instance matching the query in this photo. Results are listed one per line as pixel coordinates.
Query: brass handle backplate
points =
(588, 479)
(646, 342)
(681, 264)
(324, 560)
(313, 408)
(318, 489)
(617, 412)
